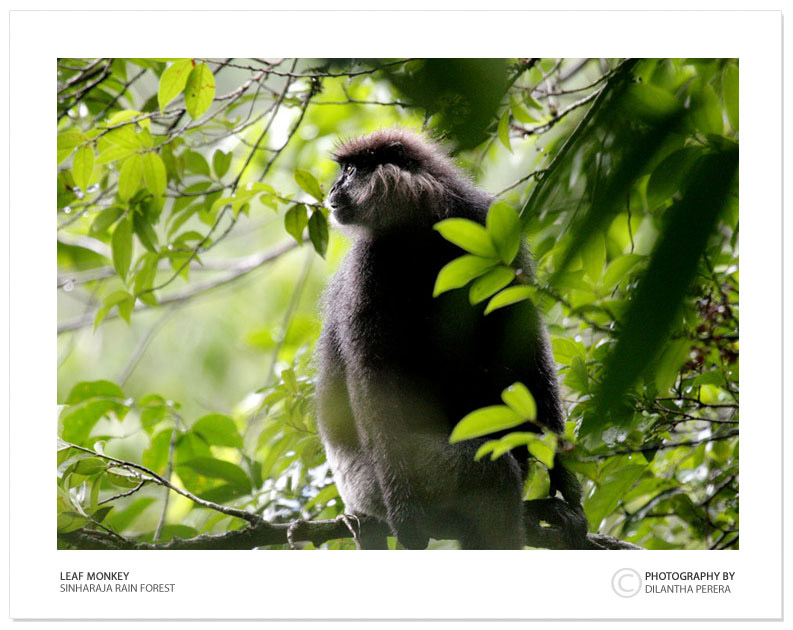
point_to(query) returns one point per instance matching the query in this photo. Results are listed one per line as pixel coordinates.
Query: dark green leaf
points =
(318, 232)
(218, 430)
(295, 221)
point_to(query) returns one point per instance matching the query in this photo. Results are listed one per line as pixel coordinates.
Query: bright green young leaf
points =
(154, 175)
(67, 142)
(83, 167)
(544, 448)
(199, 90)
(218, 430)
(318, 232)
(510, 295)
(490, 283)
(308, 182)
(130, 177)
(503, 226)
(469, 235)
(518, 398)
(121, 243)
(460, 272)
(295, 221)
(173, 81)
(122, 300)
(484, 421)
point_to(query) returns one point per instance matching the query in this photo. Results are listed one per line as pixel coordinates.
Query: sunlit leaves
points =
(154, 175)
(67, 142)
(87, 403)
(509, 296)
(503, 130)
(105, 219)
(484, 421)
(469, 235)
(490, 283)
(460, 272)
(219, 430)
(503, 226)
(199, 90)
(173, 81)
(120, 299)
(130, 177)
(518, 398)
(83, 167)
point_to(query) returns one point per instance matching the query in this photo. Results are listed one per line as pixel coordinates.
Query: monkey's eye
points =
(349, 169)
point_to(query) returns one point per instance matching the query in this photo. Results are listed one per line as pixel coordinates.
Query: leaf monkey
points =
(397, 368)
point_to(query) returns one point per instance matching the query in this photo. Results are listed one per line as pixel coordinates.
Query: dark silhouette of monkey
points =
(399, 368)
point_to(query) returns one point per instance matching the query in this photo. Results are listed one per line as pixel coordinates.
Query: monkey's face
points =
(384, 188)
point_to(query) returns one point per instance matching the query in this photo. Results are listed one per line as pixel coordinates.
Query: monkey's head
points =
(391, 178)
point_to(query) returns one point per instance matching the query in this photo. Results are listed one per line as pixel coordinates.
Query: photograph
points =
(410, 303)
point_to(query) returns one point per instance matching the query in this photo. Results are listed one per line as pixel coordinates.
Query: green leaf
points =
(218, 430)
(593, 258)
(544, 448)
(308, 182)
(706, 112)
(67, 142)
(121, 243)
(673, 357)
(122, 299)
(670, 175)
(173, 81)
(295, 221)
(488, 284)
(219, 469)
(154, 175)
(503, 130)
(83, 167)
(503, 226)
(617, 269)
(221, 162)
(130, 177)
(469, 235)
(145, 232)
(318, 232)
(199, 90)
(105, 219)
(484, 421)
(660, 293)
(730, 91)
(85, 390)
(607, 495)
(195, 162)
(518, 398)
(510, 295)
(460, 272)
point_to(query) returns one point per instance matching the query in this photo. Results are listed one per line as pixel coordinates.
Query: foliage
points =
(179, 177)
